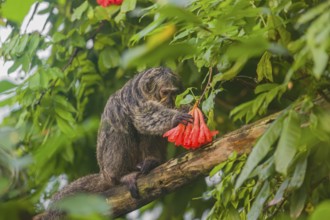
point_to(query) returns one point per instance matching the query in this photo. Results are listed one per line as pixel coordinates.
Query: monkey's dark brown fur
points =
(129, 139)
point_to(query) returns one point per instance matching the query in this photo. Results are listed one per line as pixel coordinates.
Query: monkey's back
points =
(119, 142)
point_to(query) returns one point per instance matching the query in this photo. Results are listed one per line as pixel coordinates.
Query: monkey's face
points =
(162, 85)
(167, 96)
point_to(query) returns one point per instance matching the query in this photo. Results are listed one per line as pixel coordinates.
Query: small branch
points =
(207, 87)
(73, 55)
(33, 13)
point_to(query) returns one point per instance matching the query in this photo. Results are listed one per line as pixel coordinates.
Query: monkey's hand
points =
(152, 118)
(183, 118)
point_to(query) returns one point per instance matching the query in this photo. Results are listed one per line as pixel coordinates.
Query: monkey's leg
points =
(118, 154)
(153, 149)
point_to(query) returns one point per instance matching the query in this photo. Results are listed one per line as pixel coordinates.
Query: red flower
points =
(187, 140)
(105, 3)
(195, 131)
(191, 136)
(205, 135)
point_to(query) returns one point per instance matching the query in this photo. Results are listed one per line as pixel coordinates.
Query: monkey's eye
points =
(165, 92)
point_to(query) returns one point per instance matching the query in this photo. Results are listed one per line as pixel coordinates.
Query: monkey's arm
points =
(153, 118)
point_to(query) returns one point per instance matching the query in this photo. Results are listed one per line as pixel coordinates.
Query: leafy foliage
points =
(263, 56)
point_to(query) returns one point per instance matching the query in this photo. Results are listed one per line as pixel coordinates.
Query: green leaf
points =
(288, 143)
(33, 44)
(102, 13)
(299, 174)
(253, 46)
(64, 103)
(239, 111)
(68, 154)
(231, 73)
(217, 168)
(4, 185)
(9, 46)
(146, 31)
(6, 85)
(21, 45)
(320, 58)
(156, 54)
(258, 203)
(264, 170)
(188, 99)
(26, 62)
(171, 11)
(7, 101)
(39, 80)
(314, 12)
(15, 66)
(180, 97)
(83, 204)
(322, 211)
(77, 40)
(208, 104)
(297, 202)
(58, 36)
(109, 58)
(64, 114)
(128, 5)
(65, 127)
(265, 87)
(279, 194)
(14, 12)
(260, 150)
(77, 12)
(264, 68)
(34, 81)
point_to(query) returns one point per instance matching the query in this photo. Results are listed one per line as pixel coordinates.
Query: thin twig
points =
(207, 87)
(33, 13)
(73, 55)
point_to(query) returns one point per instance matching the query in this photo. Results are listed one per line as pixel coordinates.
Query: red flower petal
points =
(117, 2)
(169, 132)
(195, 130)
(105, 3)
(201, 137)
(187, 133)
(203, 127)
(191, 136)
(179, 139)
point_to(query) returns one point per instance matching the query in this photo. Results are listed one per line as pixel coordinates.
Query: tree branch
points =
(185, 168)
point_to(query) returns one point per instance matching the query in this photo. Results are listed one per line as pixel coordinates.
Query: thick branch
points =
(182, 170)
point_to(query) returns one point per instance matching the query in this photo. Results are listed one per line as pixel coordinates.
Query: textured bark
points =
(185, 168)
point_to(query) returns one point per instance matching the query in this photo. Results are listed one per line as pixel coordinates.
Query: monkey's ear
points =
(147, 84)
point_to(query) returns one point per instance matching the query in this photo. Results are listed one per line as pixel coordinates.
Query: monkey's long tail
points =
(93, 183)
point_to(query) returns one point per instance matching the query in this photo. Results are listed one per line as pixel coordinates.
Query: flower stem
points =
(207, 87)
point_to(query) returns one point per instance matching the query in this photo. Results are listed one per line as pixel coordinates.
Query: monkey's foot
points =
(130, 181)
(147, 165)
